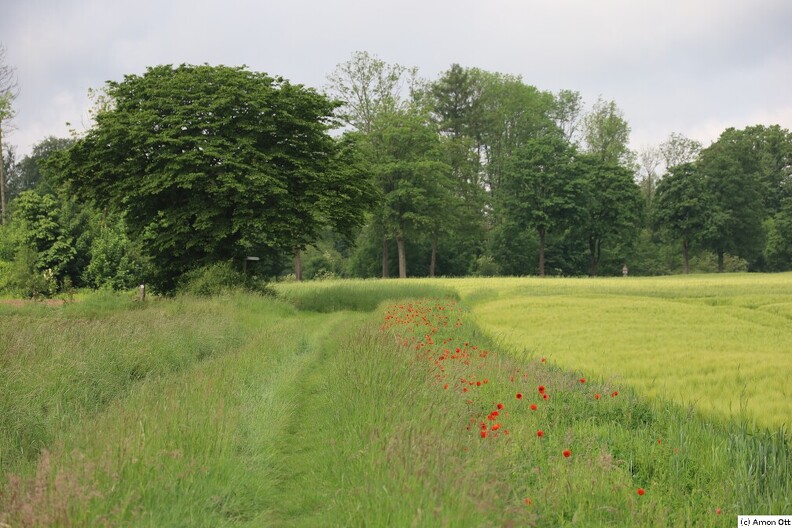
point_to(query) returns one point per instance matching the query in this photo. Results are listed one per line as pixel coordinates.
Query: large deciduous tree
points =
(613, 206)
(542, 191)
(733, 181)
(414, 181)
(211, 163)
(681, 208)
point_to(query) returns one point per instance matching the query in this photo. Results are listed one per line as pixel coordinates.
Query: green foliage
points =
(514, 249)
(681, 207)
(413, 181)
(218, 279)
(25, 279)
(607, 133)
(778, 252)
(486, 266)
(323, 261)
(736, 212)
(457, 102)
(116, 261)
(58, 230)
(32, 172)
(542, 190)
(708, 262)
(211, 163)
(612, 211)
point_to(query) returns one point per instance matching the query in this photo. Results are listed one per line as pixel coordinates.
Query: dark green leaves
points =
(215, 163)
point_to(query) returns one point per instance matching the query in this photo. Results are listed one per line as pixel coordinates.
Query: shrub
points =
(116, 261)
(220, 278)
(486, 267)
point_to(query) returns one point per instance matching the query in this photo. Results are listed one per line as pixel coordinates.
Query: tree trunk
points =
(433, 259)
(385, 258)
(720, 261)
(298, 267)
(402, 257)
(594, 250)
(2, 181)
(686, 254)
(542, 233)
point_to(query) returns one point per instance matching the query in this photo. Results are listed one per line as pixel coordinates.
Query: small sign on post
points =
(252, 259)
(142, 292)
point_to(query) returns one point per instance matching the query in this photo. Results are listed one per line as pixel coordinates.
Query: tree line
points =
(382, 173)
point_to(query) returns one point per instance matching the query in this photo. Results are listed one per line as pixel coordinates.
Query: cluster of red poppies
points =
(434, 330)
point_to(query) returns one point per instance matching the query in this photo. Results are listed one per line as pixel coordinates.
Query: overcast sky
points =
(690, 66)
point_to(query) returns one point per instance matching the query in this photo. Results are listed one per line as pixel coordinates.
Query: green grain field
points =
(402, 403)
(720, 343)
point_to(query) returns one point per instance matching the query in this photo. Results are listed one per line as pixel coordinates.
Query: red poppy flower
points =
(445, 386)
(717, 511)
(496, 427)
(533, 407)
(545, 396)
(641, 491)
(541, 388)
(527, 501)
(567, 453)
(519, 395)
(540, 433)
(483, 433)
(582, 380)
(614, 394)
(597, 396)
(478, 384)
(500, 406)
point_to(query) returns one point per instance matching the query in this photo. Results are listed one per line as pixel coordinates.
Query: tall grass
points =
(58, 366)
(360, 295)
(300, 418)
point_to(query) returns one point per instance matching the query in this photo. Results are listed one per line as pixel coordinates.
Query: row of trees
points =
(504, 178)
(473, 173)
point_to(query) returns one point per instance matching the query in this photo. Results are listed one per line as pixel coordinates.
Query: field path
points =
(302, 399)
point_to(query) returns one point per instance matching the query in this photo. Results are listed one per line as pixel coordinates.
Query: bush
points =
(116, 261)
(5, 275)
(26, 280)
(707, 262)
(486, 267)
(220, 278)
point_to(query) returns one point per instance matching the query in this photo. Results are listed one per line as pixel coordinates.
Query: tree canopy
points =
(474, 172)
(211, 163)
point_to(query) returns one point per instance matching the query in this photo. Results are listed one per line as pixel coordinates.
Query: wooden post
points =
(142, 292)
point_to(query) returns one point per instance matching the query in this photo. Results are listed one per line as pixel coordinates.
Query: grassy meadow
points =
(470, 402)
